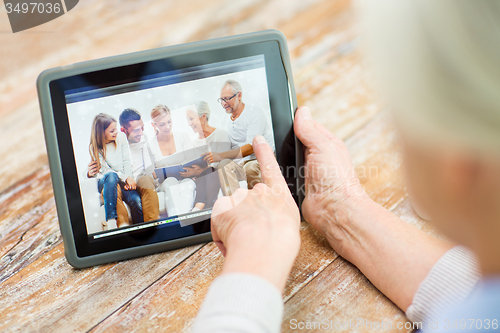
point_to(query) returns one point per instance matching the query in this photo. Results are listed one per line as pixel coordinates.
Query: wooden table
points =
(41, 292)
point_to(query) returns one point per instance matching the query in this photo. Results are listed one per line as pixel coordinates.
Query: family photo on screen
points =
(145, 164)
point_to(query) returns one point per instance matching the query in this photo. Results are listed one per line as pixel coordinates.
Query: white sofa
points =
(93, 206)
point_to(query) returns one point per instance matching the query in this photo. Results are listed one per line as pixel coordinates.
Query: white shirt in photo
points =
(216, 142)
(251, 122)
(141, 158)
(183, 149)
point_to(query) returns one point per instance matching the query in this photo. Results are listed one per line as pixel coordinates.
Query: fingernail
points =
(260, 139)
(306, 113)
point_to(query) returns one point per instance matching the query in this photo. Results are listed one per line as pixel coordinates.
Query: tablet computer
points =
(109, 123)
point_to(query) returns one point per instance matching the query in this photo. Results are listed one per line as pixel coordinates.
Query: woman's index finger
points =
(269, 168)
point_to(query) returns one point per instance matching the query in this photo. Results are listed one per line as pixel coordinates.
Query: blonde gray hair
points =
(439, 64)
(235, 86)
(202, 108)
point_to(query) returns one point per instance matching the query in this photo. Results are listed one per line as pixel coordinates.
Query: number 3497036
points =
(33, 7)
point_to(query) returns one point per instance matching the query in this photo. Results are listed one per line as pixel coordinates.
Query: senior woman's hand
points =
(212, 157)
(332, 188)
(360, 230)
(258, 230)
(193, 171)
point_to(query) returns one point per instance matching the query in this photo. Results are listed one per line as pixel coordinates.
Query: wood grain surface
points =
(41, 292)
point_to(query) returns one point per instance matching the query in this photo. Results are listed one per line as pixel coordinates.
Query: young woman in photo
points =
(164, 146)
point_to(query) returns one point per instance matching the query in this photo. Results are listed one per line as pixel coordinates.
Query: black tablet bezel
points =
(282, 120)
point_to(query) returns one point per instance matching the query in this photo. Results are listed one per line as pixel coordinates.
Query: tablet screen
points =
(146, 149)
(162, 122)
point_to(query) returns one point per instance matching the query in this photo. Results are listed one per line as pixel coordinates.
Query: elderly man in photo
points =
(142, 162)
(246, 122)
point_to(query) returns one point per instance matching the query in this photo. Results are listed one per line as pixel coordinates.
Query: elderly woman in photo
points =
(211, 140)
(219, 153)
(217, 139)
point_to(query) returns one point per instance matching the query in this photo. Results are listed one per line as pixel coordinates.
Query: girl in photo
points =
(112, 166)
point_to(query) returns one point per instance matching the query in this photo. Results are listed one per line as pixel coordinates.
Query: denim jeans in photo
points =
(108, 186)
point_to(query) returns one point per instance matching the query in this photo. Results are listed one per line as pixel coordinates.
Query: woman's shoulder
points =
(219, 140)
(219, 134)
(120, 143)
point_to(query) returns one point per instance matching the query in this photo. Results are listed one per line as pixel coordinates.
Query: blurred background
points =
(41, 292)
(322, 38)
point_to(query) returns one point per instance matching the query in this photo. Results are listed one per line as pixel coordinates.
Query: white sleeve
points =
(105, 168)
(240, 302)
(448, 283)
(222, 136)
(221, 141)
